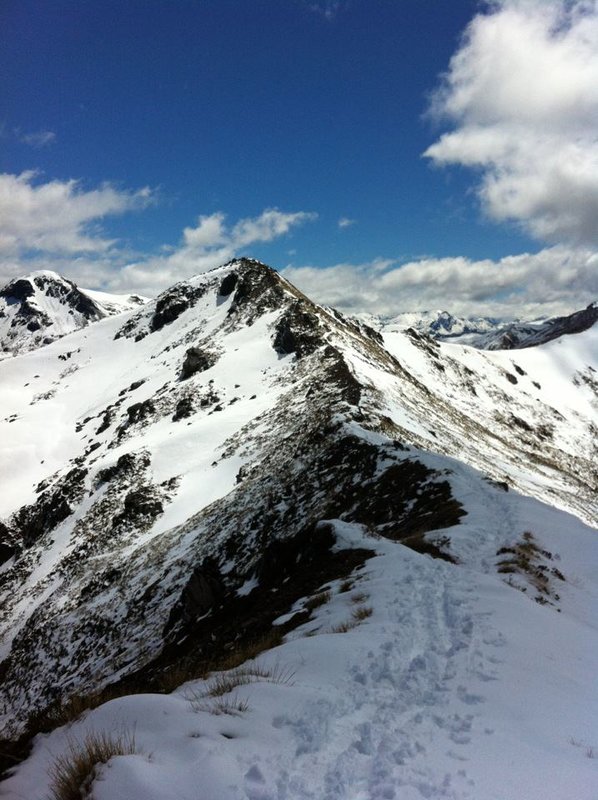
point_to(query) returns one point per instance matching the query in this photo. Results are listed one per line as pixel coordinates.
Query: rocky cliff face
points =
(170, 475)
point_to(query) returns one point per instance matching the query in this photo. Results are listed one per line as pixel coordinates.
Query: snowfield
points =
(456, 686)
(177, 478)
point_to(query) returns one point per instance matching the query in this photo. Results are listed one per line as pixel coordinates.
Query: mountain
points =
(517, 335)
(437, 324)
(365, 563)
(41, 307)
(485, 333)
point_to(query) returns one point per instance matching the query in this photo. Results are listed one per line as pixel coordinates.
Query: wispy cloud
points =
(345, 222)
(37, 139)
(521, 94)
(327, 8)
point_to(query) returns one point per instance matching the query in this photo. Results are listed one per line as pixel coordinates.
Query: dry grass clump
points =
(233, 706)
(358, 615)
(525, 558)
(213, 699)
(346, 586)
(362, 612)
(360, 597)
(72, 773)
(225, 682)
(317, 600)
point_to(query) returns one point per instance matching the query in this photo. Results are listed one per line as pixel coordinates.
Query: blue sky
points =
(317, 109)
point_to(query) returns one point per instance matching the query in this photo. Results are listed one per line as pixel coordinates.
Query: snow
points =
(457, 686)
(449, 682)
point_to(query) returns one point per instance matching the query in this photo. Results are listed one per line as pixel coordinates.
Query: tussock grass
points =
(72, 773)
(213, 699)
(357, 615)
(234, 706)
(317, 600)
(526, 559)
(362, 612)
(345, 627)
(359, 597)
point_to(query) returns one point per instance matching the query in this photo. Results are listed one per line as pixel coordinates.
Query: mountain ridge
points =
(207, 443)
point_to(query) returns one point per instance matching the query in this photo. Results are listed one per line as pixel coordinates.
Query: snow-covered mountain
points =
(438, 324)
(41, 307)
(403, 527)
(486, 333)
(518, 335)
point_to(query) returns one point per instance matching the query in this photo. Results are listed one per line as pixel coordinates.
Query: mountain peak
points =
(42, 306)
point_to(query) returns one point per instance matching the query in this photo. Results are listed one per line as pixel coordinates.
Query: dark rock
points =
(197, 360)
(140, 411)
(8, 544)
(51, 508)
(140, 504)
(184, 408)
(204, 590)
(20, 289)
(297, 331)
(172, 303)
(228, 285)
(258, 290)
(127, 464)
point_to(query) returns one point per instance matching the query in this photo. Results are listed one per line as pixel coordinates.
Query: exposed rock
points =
(140, 411)
(8, 544)
(184, 408)
(197, 360)
(228, 284)
(53, 506)
(297, 332)
(172, 303)
(140, 505)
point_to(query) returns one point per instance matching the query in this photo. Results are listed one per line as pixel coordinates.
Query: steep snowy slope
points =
(38, 308)
(179, 479)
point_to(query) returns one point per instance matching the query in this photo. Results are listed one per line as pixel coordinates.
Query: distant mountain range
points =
(486, 333)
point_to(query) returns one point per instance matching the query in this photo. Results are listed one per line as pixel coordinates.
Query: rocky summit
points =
(182, 479)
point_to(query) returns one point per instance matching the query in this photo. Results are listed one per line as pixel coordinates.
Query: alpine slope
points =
(273, 553)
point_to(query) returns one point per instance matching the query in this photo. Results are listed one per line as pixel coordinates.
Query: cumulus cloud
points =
(210, 243)
(55, 217)
(554, 281)
(56, 225)
(38, 138)
(346, 222)
(521, 94)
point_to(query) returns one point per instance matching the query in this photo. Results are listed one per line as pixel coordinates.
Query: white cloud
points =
(345, 222)
(38, 138)
(326, 8)
(55, 225)
(522, 95)
(210, 243)
(554, 281)
(55, 217)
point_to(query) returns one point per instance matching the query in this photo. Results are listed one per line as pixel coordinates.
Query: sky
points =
(385, 155)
